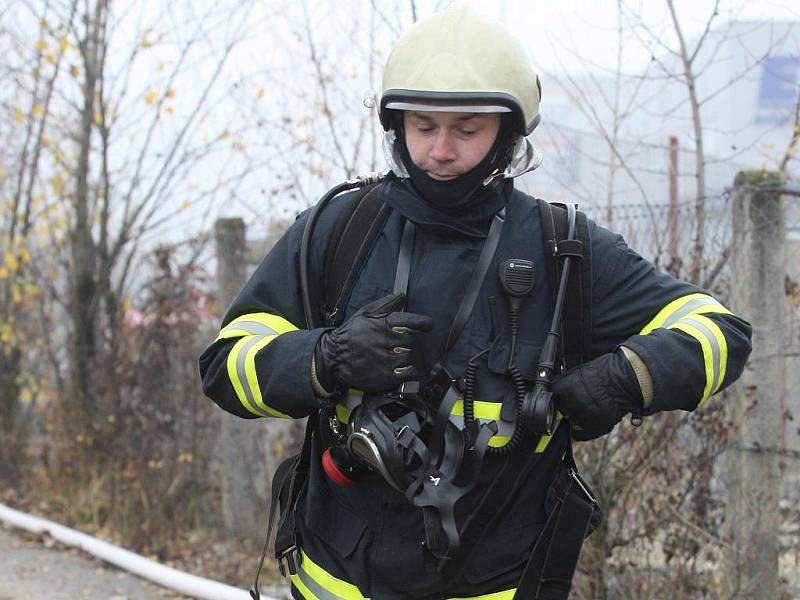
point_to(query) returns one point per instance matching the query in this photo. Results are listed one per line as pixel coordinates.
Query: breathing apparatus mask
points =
(373, 440)
(415, 449)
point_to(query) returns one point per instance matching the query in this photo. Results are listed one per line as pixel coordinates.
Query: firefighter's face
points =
(447, 144)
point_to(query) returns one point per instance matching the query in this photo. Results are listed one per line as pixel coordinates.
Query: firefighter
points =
(459, 100)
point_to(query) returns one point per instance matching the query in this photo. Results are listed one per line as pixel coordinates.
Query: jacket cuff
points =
(318, 388)
(642, 375)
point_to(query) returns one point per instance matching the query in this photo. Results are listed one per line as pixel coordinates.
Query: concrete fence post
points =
(238, 462)
(752, 458)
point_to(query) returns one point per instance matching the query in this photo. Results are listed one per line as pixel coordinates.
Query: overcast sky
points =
(557, 31)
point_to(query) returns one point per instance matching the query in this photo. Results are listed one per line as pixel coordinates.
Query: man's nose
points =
(443, 148)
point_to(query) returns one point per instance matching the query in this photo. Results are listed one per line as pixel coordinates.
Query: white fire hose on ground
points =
(184, 583)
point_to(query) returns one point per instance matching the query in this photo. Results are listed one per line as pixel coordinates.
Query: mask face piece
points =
(363, 448)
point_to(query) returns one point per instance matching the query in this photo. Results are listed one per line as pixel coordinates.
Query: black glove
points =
(374, 350)
(597, 394)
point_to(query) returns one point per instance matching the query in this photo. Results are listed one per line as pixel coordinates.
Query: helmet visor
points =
(461, 107)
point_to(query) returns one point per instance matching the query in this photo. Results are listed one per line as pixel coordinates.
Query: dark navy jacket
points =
(368, 535)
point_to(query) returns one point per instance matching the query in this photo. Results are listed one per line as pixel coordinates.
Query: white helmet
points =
(461, 61)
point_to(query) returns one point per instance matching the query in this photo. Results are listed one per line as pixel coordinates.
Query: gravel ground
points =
(31, 569)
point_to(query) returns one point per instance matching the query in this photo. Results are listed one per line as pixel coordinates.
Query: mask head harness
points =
(419, 452)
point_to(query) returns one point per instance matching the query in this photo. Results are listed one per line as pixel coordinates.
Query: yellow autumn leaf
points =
(127, 304)
(3, 272)
(49, 57)
(260, 93)
(19, 116)
(24, 255)
(169, 110)
(170, 93)
(41, 45)
(62, 43)
(151, 97)
(16, 294)
(98, 118)
(74, 70)
(11, 262)
(57, 183)
(38, 110)
(26, 396)
(146, 43)
(2, 173)
(185, 204)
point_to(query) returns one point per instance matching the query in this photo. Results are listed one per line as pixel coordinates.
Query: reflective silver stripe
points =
(315, 588)
(688, 308)
(251, 327)
(241, 371)
(715, 350)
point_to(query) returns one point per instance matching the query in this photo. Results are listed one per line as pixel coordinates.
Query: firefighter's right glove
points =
(374, 350)
(597, 394)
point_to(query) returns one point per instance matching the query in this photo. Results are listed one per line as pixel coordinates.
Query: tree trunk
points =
(83, 284)
(10, 437)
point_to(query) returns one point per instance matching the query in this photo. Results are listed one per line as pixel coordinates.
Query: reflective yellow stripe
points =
(490, 411)
(326, 586)
(684, 306)
(252, 377)
(351, 401)
(256, 324)
(545, 439)
(256, 330)
(343, 413)
(301, 587)
(484, 411)
(241, 366)
(315, 583)
(715, 350)
(504, 595)
(686, 314)
(243, 394)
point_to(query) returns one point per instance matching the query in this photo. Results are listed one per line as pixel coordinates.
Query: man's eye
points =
(468, 132)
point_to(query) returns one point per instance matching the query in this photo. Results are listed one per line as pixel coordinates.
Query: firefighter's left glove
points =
(375, 350)
(598, 394)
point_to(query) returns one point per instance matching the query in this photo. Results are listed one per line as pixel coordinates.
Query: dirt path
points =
(30, 570)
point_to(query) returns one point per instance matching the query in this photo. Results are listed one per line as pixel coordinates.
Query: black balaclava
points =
(467, 190)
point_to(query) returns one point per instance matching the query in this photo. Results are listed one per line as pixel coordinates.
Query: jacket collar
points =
(471, 220)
